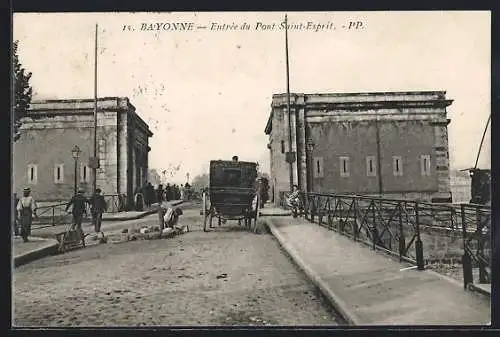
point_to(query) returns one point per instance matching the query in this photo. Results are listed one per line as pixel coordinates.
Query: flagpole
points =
(94, 166)
(288, 106)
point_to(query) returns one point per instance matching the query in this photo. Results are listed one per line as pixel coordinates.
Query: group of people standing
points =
(148, 195)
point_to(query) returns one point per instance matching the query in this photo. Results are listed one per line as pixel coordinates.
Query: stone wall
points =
(48, 141)
(410, 124)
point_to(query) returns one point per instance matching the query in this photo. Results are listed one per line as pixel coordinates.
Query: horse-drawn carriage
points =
(231, 194)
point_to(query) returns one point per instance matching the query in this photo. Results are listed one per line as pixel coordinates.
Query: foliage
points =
(200, 181)
(21, 89)
(154, 177)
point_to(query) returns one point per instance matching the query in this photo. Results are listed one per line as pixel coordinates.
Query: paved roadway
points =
(228, 277)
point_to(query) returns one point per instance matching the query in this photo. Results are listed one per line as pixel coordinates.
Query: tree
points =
(21, 89)
(199, 182)
(154, 177)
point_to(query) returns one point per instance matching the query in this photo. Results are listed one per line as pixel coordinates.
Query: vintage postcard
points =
(251, 169)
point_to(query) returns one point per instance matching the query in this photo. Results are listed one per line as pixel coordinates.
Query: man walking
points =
(78, 202)
(97, 207)
(26, 209)
(16, 216)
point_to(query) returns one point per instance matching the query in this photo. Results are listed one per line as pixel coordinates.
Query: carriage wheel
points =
(255, 212)
(205, 211)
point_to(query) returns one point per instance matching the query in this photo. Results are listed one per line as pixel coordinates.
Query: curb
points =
(142, 215)
(263, 214)
(35, 254)
(336, 302)
(51, 248)
(479, 290)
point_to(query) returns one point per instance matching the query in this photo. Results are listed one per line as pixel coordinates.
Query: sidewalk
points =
(274, 211)
(24, 252)
(50, 231)
(43, 242)
(369, 288)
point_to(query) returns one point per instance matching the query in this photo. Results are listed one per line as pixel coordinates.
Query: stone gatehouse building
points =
(43, 159)
(393, 144)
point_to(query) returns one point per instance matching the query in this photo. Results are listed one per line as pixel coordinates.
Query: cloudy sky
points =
(206, 93)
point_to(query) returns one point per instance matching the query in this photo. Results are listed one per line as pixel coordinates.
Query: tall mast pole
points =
(482, 140)
(94, 167)
(288, 106)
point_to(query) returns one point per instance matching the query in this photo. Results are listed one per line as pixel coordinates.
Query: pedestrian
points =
(182, 192)
(168, 192)
(177, 193)
(26, 208)
(16, 216)
(97, 207)
(159, 194)
(78, 202)
(171, 218)
(150, 194)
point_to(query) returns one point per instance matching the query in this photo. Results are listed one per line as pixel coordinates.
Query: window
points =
(344, 167)
(282, 146)
(32, 174)
(397, 166)
(371, 169)
(425, 165)
(318, 167)
(85, 172)
(59, 173)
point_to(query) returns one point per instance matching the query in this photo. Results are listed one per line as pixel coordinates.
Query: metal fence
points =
(395, 226)
(53, 215)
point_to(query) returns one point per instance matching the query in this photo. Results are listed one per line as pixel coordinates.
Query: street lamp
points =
(76, 154)
(310, 148)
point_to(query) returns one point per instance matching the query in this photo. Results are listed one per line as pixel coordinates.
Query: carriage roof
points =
(228, 173)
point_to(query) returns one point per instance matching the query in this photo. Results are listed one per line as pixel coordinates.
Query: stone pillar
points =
(442, 158)
(302, 159)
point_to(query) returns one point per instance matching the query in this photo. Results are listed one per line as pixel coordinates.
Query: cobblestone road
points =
(229, 277)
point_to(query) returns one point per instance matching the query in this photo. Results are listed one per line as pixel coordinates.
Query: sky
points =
(206, 92)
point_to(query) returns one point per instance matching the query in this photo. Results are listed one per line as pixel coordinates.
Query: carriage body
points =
(231, 192)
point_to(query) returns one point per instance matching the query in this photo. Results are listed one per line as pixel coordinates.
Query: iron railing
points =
(53, 215)
(395, 226)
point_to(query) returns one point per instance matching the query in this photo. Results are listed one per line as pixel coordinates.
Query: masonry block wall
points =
(54, 127)
(404, 132)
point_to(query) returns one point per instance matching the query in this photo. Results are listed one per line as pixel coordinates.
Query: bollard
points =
(467, 269)
(355, 231)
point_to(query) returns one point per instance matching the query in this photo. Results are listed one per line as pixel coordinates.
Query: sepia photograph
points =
(243, 169)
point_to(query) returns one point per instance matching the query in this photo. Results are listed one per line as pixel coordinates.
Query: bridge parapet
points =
(417, 232)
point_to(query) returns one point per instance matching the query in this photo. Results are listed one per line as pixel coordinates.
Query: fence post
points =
(480, 246)
(419, 247)
(374, 225)
(402, 243)
(53, 216)
(312, 211)
(466, 260)
(355, 222)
